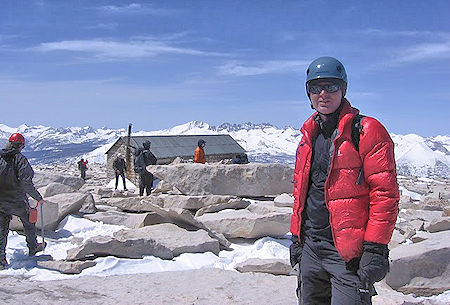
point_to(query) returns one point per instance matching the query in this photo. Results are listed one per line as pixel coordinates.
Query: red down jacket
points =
(360, 209)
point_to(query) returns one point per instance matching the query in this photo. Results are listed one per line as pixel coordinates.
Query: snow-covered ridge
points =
(415, 155)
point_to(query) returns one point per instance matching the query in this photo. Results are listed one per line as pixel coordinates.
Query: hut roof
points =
(184, 145)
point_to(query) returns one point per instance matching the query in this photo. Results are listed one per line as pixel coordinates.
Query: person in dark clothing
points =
(16, 181)
(240, 159)
(345, 196)
(82, 166)
(120, 167)
(144, 157)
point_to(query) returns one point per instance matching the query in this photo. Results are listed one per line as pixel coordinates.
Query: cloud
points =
(39, 3)
(267, 67)
(385, 33)
(4, 37)
(137, 9)
(416, 45)
(102, 26)
(288, 36)
(119, 50)
(425, 51)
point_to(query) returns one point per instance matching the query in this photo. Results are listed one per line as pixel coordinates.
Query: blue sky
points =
(158, 64)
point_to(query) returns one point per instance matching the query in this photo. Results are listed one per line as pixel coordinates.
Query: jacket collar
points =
(310, 128)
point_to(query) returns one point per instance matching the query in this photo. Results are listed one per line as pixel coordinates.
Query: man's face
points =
(325, 102)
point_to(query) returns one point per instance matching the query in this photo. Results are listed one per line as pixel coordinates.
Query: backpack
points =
(8, 172)
(3, 165)
(356, 130)
(139, 162)
(117, 165)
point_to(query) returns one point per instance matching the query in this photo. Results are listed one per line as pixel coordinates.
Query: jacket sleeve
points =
(377, 152)
(25, 175)
(295, 221)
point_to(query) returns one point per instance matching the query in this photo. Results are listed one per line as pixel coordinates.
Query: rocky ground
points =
(192, 287)
(203, 286)
(232, 201)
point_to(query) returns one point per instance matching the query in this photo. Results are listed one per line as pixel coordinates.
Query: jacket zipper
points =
(360, 176)
(333, 145)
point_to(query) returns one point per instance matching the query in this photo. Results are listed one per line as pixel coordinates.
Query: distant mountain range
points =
(415, 155)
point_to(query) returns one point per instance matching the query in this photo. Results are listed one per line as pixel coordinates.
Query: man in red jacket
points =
(346, 195)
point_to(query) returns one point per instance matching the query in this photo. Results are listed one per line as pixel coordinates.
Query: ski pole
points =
(42, 227)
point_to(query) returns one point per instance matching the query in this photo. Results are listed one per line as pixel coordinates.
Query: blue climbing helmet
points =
(327, 67)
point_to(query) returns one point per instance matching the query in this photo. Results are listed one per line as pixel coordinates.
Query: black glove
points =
(295, 251)
(374, 263)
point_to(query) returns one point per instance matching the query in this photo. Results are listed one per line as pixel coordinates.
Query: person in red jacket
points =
(199, 153)
(345, 196)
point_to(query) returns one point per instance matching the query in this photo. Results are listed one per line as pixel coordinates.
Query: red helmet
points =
(17, 138)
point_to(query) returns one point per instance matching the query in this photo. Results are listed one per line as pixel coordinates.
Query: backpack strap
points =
(356, 130)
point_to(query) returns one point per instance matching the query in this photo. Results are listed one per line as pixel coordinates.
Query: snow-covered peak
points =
(245, 126)
(425, 157)
(415, 155)
(194, 127)
(6, 130)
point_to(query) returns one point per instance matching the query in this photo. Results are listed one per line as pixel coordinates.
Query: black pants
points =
(83, 174)
(145, 182)
(123, 179)
(325, 278)
(19, 209)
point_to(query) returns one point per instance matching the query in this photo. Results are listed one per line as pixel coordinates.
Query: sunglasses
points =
(316, 89)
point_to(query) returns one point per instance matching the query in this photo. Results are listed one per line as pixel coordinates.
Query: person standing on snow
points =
(16, 181)
(199, 153)
(82, 166)
(345, 197)
(120, 166)
(144, 157)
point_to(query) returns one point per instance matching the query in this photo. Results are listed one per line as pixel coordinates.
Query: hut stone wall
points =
(120, 147)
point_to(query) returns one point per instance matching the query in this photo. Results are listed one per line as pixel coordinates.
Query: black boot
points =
(3, 264)
(39, 248)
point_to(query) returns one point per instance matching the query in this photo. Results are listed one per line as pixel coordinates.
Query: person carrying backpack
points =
(16, 181)
(120, 166)
(144, 157)
(82, 166)
(345, 195)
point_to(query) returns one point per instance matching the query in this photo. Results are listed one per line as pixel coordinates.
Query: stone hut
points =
(167, 148)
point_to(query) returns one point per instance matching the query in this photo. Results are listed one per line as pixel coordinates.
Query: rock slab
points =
(163, 240)
(253, 179)
(272, 266)
(66, 267)
(245, 224)
(422, 268)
